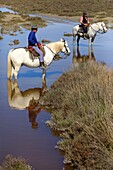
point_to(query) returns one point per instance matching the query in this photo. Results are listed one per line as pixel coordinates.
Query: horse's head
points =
(65, 49)
(102, 27)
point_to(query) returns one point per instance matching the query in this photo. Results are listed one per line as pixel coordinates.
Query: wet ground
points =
(18, 136)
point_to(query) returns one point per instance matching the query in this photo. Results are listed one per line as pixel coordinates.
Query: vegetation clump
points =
(1, 37)
(82, 99)
(13, 163)
(16, 42)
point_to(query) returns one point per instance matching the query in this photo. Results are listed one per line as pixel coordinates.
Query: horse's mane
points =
(52, 43)
(21, 47)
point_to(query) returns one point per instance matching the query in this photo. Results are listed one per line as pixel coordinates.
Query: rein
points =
(50, 49)
(53, 51)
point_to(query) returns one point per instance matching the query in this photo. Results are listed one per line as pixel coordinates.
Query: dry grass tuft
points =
(13, 163)
(83, 98)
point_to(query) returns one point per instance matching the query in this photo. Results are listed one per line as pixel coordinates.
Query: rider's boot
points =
(42, 65)
(84, 36)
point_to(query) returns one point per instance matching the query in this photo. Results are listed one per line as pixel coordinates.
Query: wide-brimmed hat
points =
(34, 27)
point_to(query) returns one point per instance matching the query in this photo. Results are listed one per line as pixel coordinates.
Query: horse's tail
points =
(9, 89)
(75, 30)
(9, 65)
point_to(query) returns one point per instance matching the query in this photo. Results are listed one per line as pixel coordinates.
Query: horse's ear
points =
(62, 39)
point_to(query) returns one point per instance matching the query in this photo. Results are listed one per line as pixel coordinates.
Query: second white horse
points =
(93, 29)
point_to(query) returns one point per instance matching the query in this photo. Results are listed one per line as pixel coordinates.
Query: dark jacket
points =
(32, 39)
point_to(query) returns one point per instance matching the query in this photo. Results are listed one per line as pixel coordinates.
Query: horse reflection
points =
(26, 100)
(78, 58)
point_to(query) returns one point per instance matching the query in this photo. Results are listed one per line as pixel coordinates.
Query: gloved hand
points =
(39, 45)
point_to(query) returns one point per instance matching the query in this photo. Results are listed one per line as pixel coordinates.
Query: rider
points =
(84, 20)
(33, 42)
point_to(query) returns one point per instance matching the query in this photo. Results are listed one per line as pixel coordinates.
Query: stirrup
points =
(84, 36)
(42, 66)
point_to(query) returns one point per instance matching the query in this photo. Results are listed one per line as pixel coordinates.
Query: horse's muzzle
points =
(68, 53)
(105, 30)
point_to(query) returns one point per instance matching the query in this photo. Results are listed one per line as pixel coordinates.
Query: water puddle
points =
(6, 9)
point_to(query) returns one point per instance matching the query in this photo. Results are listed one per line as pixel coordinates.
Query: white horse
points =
(20, 56)
(93, 29)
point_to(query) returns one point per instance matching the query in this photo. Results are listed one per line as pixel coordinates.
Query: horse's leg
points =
(90, 40)
(16, 87)
(9, 89)
(78, 38)
(44, 79)
(16, 70)
(12, 72)
(74, 39)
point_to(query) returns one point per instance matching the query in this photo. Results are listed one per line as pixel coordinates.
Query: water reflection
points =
(78, 58)
(28, 99)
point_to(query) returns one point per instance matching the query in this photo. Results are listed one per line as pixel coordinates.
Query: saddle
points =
(81, 29)
(82, 33)
(33, 54)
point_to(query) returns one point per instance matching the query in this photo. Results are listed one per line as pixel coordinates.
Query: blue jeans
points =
(39, 52)
(84, 28)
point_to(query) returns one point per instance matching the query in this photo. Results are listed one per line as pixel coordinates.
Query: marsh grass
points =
(83, 98)
(13, 163)
(62, 8)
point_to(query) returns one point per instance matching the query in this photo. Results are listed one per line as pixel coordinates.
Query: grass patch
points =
(1, 37)
(13, 163)
(68, 34)
(83, 111)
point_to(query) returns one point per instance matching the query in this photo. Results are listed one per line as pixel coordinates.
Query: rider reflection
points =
(33, 110)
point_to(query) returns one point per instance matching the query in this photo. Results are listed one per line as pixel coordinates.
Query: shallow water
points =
(18, 137)
(5, 9)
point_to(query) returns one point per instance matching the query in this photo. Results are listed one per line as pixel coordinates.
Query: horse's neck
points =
(95, 26)
(55, 47)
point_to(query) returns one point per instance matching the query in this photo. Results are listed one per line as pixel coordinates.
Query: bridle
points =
(66, 46)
